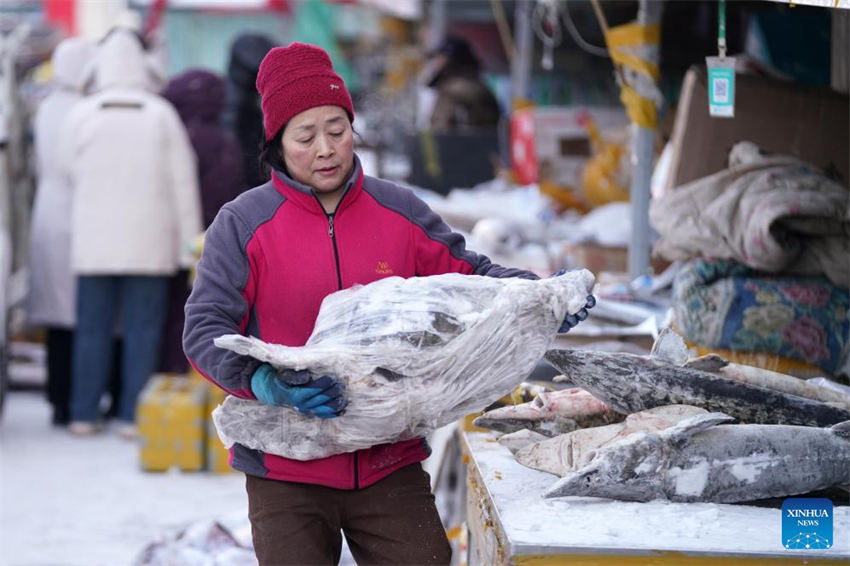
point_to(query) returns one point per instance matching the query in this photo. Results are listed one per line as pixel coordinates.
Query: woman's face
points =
(318, 148)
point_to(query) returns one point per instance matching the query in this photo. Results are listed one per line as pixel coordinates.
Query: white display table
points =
(510, 523)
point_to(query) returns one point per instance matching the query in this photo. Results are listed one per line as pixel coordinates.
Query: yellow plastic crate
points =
(171, 416)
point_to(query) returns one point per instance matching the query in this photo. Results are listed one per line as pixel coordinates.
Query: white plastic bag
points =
(415, 354)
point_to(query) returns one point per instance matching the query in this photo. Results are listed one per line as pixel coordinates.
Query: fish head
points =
(590, 481)
(626, 470)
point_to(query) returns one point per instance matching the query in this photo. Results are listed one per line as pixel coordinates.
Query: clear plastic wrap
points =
(415, 354)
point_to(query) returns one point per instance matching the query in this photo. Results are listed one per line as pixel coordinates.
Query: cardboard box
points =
(552, 142)
(172, 423)
(612, 259)
(807, 122)
(598, 258)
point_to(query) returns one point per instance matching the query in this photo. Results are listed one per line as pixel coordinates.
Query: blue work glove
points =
(309, 394)
(572, 319)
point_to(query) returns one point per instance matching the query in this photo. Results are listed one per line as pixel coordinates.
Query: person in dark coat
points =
(199, 98)
(463, 98)
(242, 114)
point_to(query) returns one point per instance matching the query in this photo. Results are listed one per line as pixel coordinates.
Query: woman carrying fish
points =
(271, 255)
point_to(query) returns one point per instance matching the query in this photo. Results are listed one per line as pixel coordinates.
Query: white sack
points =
(416, 354)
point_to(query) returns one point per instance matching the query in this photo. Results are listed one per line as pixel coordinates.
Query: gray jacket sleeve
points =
(220, 303)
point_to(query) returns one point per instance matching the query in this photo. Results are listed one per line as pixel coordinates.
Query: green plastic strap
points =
(721, 27)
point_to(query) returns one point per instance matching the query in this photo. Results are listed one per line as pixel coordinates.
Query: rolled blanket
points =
(773, 213)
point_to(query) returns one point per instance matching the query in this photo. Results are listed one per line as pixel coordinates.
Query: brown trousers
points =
(393, 521)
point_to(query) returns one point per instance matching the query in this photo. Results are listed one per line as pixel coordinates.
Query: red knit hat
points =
(296, 78)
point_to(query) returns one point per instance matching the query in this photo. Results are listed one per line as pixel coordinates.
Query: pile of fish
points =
(629, 383)
(416, 354)
(665, 429)
(568, 452)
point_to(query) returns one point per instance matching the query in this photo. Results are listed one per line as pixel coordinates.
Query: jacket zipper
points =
(332, 236)
(336, 253)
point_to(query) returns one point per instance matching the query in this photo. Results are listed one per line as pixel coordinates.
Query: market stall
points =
(510, 523)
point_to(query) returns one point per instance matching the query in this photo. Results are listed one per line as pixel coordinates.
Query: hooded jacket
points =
(136, 205)
(269, 259)
(198, 96)
(52, 289)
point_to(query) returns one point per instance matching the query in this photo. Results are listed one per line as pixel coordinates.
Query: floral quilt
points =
(724, 304)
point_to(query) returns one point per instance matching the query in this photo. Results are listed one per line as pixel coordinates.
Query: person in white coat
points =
(135, 211)
(52, 289)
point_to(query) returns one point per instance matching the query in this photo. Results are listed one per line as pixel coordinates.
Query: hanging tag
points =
(721, 72)
(721, 86)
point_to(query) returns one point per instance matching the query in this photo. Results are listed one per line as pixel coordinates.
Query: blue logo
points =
(807, 523)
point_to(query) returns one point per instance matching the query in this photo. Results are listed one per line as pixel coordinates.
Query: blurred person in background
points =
(52, 288)
(198, 96)
(463, 98)
(153, 43)
(135, 211)
(271, 256)
(243, 115)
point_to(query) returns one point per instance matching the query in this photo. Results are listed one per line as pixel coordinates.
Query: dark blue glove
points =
(309, 394)
(572, 319)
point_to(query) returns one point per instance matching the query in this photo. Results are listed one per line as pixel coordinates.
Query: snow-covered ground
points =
(73, 501)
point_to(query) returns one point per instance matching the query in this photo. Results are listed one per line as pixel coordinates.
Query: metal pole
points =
(643, 150)
(436, 23)
(521, 67)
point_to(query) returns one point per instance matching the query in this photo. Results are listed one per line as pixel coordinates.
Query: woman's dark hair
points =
(270, 157)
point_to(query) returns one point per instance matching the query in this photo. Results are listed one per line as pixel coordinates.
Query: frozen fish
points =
(568, 452)
(702, 459)
(415, 354)
(629, 383)
(551, 414)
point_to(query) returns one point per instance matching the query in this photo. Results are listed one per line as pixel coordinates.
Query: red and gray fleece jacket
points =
(269, 259)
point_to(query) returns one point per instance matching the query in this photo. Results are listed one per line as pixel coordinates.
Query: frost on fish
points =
(700, 459)
(568, 452)
(515, 441)
(551, 413)
(415, 354)
(767, 379)
(629, 383)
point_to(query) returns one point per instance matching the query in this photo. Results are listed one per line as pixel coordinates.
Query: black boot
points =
(61, 416)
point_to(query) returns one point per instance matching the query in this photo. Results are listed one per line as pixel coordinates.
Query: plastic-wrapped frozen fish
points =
(416, 354)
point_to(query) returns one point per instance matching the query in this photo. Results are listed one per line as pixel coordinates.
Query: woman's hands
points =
(573, 319)
(312, 395)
